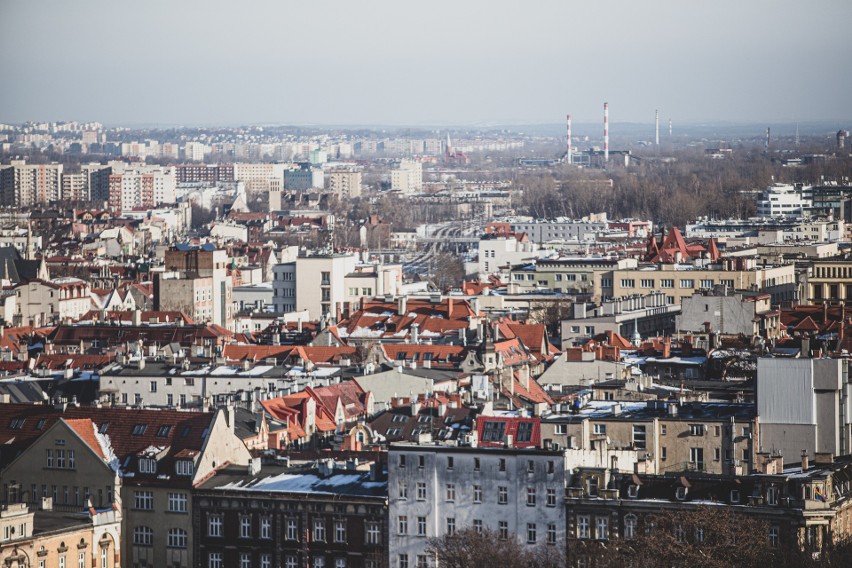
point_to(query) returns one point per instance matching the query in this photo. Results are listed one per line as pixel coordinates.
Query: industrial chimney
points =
(657, 128)
(570, 156)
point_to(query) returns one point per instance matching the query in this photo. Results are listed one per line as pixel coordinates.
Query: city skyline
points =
(380, 63)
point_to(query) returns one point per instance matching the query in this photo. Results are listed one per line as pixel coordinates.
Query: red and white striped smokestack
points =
(606, 132)
(570, 157)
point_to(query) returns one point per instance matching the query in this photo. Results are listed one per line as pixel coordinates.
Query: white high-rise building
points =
(408, 178)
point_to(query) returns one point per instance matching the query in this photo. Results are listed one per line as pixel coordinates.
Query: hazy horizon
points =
(384, 63)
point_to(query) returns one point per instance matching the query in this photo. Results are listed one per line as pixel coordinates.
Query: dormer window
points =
(735, 496)
(681, 493)
(633, 491)
(147, 465)
(184, 467)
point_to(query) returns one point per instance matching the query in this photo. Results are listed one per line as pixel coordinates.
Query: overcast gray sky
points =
(436, 62)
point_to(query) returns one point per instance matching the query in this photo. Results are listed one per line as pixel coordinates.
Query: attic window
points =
(428, 356)
(204, 433)
(399, 418)
(525, 431)
(147, 465)
(164, 431)
(40, 424)
(185, 432)
(17, 423)
(184, 467)
(394, 432)
(493, 431)
(139, 429)
(104, 427)
(681, 493)
(400, 356)
(424, 418)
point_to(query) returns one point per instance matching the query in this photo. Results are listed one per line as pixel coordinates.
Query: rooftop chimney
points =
(805, 463)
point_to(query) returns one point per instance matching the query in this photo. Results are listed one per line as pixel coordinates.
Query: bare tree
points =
(471, 547)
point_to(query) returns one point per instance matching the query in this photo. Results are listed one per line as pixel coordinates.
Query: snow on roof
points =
(306, 483)
(106, 448)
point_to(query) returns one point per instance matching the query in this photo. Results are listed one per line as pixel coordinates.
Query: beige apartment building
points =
(678, 282)
(196, 281)
(45, 538)
(829, 281)
(709, 437)
(579, 275)
(256, 177)
(142, 462)
(46, 302)
(344, 182)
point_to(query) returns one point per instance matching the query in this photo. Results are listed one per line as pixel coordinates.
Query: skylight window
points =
(139, 429)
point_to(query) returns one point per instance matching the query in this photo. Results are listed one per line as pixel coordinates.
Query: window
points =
(772, 496)
(628, 283)
(402, 525)
(663, 429)
(493, 431)
(551, 497)
(502, 464)
(265, 527)
(290, 562)
(774, 533)
(696, 429)
(153, 386)
(503, 530)
(292, 529)
(561, 428)
(340, 563)
(601, 528)
(49, 458)
(680, 493)
(402, 461)
(144, 500)
(696, 458)
(582, 526)
(451, 491)
(647, 283)
(60, 458)
(339, 531)
(421, 491)
(402, 561)
(687, 283)
(531, 533)
(143, 536)
(524, 433)
(477, 494)
(139, 429)
(319, 530)
(177, 502)
(502, 495)
(214, 525)
(477, 525)
(450, 462)
(663, 453)
(735, 496)
(177, 538)
(530, 466)
(639, 436)
(451, 525)
(476, 464)
(629, 527)
(551, 533)
(147, 465)
(717, 454)
(81, 560)
(164, 430)
(421, 461)
(184, 467)
(421, 526)
(707, 283)
(422, 561)
(680, 534)
(402, 490)
(667, 283)
(633, 491)
(599, 429)
(373, 533)
(245, 526)
(530, 496)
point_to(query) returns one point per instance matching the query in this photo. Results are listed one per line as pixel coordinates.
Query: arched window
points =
(630, 527)
(177, 538)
